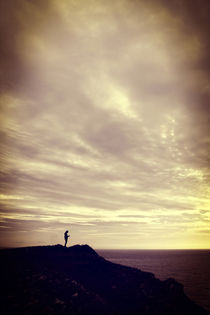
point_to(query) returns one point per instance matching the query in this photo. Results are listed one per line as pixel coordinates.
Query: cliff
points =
(76, 280)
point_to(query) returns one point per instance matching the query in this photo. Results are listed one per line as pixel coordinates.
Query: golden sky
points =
(105, 123)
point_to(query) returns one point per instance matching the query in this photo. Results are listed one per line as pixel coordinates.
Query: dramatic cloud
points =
(105, 123)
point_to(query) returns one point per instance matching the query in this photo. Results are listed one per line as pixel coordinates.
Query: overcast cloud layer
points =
(105, 123)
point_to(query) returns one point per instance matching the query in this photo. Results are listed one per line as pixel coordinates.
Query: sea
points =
(189, 267)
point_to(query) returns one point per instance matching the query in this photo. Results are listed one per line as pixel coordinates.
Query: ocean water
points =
(189, 267)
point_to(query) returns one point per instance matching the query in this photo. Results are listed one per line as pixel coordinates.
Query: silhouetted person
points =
(66, 236)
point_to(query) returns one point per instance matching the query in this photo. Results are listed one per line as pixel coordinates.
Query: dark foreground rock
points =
(75, 280)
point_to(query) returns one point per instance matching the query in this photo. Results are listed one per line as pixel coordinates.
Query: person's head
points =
(67, 231)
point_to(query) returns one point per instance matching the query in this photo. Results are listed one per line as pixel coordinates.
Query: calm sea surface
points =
(189, 267)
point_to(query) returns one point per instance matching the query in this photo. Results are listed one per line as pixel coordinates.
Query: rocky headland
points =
(76, 280)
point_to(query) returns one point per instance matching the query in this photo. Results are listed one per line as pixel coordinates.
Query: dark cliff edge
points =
(76, 280)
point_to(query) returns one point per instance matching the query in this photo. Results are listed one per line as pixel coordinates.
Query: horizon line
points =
(11, 247)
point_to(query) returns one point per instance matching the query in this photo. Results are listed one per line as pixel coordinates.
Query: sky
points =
(105, 123)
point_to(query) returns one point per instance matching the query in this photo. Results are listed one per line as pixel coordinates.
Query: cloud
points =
(105, 120)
